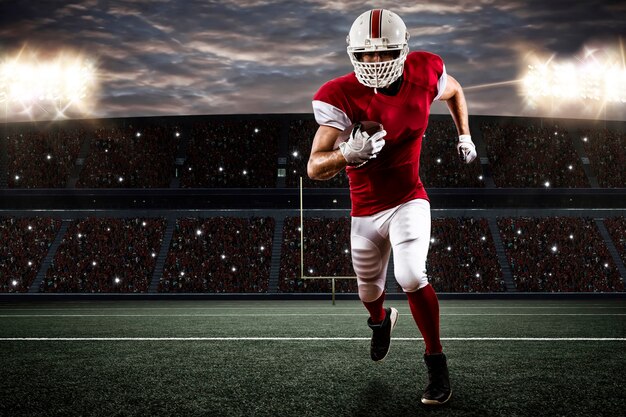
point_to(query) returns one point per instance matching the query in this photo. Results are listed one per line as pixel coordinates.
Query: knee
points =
(411, 278)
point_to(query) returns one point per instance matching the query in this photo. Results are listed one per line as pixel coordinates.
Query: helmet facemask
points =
(378, 74)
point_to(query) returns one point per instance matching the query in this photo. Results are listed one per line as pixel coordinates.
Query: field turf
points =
(307, 358)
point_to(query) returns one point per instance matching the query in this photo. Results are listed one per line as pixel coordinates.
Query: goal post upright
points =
(302, 275)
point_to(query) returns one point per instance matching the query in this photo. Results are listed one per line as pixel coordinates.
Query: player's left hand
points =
(466, 149)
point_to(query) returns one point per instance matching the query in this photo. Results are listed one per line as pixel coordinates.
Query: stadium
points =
(187, 265)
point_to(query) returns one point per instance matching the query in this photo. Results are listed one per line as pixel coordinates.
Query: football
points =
(367, 126)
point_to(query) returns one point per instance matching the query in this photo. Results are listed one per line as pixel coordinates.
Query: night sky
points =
(256, 56)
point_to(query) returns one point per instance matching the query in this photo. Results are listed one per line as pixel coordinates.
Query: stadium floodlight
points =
(595, 78)
(42, 86)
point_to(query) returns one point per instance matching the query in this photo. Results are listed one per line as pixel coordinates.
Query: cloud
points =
(255, 56)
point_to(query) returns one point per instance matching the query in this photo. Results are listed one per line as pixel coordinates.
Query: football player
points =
(390, 208)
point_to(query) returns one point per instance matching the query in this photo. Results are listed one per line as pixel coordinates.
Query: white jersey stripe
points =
(441, 84)
(329, 115)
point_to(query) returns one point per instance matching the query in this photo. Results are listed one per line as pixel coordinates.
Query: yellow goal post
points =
(302, 275)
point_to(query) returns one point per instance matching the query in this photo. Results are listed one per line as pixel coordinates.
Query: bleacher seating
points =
(40, 157)
(605, 150)
(106, 255)
(219, 255)
(326, 254)
(232, 154)
(617, 230)
(558, 254)
(439, 162)
(462, 257)
(533, 157)
(25, 243)
(130, 157)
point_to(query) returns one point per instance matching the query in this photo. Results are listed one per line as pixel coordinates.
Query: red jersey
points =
(393, 177)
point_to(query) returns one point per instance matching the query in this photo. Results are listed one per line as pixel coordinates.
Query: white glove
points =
(466, 149)
(361, 147)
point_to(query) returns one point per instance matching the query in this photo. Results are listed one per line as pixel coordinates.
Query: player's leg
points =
(370, 257)
(410, 237)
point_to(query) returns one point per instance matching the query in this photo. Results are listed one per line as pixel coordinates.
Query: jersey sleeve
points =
(429, 71)
(330, 107)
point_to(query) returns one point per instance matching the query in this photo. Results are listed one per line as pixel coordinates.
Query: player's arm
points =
(455, 99)
(324, 162)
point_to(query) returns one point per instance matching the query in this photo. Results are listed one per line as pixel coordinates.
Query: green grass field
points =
(307, 358)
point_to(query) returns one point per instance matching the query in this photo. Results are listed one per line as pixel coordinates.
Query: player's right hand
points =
(362, 147)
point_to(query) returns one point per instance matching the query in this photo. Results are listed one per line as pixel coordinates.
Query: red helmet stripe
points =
(375, 23)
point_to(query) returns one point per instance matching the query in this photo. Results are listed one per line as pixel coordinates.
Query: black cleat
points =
(438, 391)
(381, 338)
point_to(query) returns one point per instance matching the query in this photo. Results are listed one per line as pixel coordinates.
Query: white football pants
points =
(406, 229)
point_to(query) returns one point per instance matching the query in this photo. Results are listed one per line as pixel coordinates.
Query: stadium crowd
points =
(106, 255)
(558, 254)
(533, 157)
(439, 163)
(219, 255)
(326, 254)
(25, 243)
(41, 158)
(232, 154)
(605, 150)
(130, 158)
(462, 256)
(617, 230)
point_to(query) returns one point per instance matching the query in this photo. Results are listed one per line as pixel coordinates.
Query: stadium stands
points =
(605, 150)
(462, 256)
(41, 158)
(232, 154)
(326, 253)
(617, 229)
(130, 158)
(558, 254)
(106, 255)
(439, 162)
(219, 255)
(533, 157)
(25, 243)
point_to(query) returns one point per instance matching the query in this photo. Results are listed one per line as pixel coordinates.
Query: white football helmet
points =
(376, 31)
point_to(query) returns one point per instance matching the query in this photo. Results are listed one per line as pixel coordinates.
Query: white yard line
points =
(298, 314)
(290, 339)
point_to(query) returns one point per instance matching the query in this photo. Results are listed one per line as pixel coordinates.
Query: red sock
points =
(375, 308)
(425, 310)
